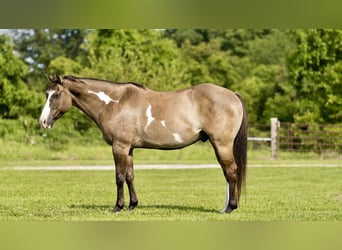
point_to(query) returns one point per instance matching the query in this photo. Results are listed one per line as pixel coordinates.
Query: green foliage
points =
(65, 66)
(208, 63)
(315, 71)
(39, 47)
(294, 75)
(181, 36)
(15, 98)
(271, 48)
(135, 55)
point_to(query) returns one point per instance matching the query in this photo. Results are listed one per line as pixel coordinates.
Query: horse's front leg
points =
(133, 199)
(122, 161)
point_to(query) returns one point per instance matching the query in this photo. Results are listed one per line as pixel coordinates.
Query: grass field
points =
(272, 194)
(19, 154)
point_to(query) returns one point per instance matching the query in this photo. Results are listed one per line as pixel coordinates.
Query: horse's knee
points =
(230, 170)
(120, 179)
(129, 176)
(232, 175)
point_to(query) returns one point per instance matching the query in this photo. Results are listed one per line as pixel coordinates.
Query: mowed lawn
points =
(272, 194)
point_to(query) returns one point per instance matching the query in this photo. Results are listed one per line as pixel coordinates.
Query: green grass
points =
(276, 194)
(20, 154)
(272, 194)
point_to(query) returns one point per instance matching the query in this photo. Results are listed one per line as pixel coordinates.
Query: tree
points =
(272, 48)
(15, 98)
(206, 62)
(268, 55)
(183, 35)
(234, 40)
(142, 56)
(38, 47)
(315, 72)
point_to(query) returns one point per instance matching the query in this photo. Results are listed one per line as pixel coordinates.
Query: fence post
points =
(274, 137)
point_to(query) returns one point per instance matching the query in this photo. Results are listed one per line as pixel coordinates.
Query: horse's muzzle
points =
(45, 123)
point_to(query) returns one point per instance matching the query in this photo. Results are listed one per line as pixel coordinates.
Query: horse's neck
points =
(83, 105)
(92, 99)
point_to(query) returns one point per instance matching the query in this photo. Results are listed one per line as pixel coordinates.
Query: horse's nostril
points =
(43, 123)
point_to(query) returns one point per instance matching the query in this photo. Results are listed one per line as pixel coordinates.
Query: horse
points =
(133, 116)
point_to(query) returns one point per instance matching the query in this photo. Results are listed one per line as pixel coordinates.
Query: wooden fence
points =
(322, 139)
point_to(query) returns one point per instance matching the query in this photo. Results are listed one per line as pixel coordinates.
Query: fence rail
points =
(291, 137)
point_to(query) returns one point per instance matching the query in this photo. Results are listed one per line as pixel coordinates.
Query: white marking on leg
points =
(149, 116)
(227, 199)
(177, 137)
(103, 97)
(46, 110)
(163, 123)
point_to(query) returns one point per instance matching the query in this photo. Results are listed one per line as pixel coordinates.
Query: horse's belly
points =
(170, 139)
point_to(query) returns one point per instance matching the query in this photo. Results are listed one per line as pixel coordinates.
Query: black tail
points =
(240, 149)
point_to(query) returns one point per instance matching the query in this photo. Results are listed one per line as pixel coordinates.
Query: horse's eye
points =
(57, 94)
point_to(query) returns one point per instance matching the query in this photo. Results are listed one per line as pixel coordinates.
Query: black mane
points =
(77, 79)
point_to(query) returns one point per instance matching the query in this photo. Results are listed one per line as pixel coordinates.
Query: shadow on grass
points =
(179, 208)
(158, 206)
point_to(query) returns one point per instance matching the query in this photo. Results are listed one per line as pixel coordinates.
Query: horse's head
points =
(58, 101)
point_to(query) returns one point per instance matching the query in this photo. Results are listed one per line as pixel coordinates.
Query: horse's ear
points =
(51, 78)
(55, 79)
(59, 79)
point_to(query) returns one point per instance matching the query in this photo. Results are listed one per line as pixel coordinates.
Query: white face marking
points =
(227, 199)
(103, 97)
(149, 116)
(177, 137)
(46, 110)
(163, 123)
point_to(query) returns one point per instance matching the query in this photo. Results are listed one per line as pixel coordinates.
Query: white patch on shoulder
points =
(103, 97)
(149, 116)
(163, 123)
(177, 137)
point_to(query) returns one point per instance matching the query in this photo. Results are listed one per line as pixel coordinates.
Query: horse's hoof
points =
(117, 209)
(228, 210)
(132, 205)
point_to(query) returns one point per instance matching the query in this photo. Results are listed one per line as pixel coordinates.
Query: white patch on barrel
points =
(149, 116)
(163, 123)
(46, 109)
(177, 137)
(102, 96)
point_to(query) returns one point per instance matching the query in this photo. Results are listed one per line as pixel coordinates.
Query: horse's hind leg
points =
(224, 155)
(230, 173)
